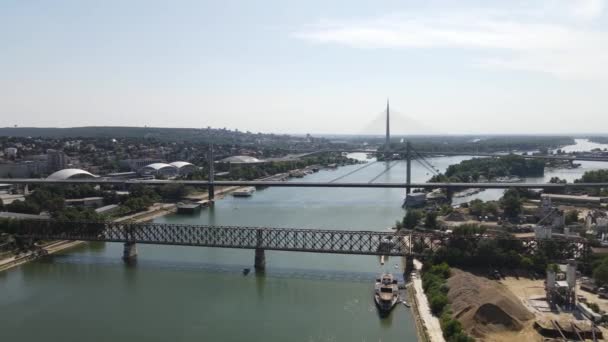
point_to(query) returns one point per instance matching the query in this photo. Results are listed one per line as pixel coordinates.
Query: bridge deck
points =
(205, 183)
(282, 239)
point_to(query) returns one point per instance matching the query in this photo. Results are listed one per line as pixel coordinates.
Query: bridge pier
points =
(409, 264)
(211, 177)
(449, 194)
(211, 193)
(129, 252)
(260, 259)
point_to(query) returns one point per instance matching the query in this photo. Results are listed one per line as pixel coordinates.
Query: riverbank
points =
(421, 331)
(432, 328)
(50, 248)
(155, 211)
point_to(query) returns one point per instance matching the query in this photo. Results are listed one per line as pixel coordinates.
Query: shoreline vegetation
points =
(142, 204)
(485, 144)
(489, 169)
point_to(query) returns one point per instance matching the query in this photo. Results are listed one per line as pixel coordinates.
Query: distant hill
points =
(128, 132)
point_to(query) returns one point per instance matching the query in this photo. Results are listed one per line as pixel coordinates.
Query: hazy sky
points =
(314, 66)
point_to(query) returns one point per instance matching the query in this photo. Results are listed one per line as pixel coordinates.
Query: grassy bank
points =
(434, 283)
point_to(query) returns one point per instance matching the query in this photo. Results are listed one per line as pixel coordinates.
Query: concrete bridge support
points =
(211, 177)
(211, 193)
(449, 193)
(129, 252)
(409, 265)
(260, 259)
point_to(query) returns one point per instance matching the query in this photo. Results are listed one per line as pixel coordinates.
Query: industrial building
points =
(562, 291)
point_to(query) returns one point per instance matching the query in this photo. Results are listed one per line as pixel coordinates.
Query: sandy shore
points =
(423, 310)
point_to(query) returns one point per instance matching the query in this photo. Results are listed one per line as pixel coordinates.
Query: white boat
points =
(244, 192)
(386, 293)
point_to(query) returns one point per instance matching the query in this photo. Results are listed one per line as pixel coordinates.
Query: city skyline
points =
(466, 68)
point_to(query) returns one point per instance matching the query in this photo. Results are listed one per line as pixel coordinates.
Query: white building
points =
(183, 168)
(70, 174)
(10, 152)
(159, 170)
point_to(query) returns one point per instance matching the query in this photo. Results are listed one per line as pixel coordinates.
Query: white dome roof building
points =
(70, 174)
(183, 168)
(159, 169)
(241, 160)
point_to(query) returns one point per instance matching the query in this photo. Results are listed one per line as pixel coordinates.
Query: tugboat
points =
(386, 293)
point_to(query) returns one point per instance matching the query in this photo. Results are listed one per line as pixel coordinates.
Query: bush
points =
(398, 225)
(511, 203)
(476, 207)
(434, 282)
(431, 220)
(446, 209)
(411, 219)
(438, 301)
(449, 326)
(572, 217)
(442, 270)
(491, 208)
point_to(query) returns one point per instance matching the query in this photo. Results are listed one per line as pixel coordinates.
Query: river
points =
(195, 294)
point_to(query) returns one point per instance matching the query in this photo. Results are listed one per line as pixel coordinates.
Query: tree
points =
(476, 207)
(24, 207)
(449, 326)
(446, 209)
(411, 219)
(173, 191)
(430, 220)
(511, 203)
(600, 272)
(438, 301)
(526, 263)
(491, 208)
(398, 225)
(572, 217)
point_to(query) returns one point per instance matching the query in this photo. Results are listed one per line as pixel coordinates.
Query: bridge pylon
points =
(129, 252)
(260, 259)
(211, 178)
(260, 255)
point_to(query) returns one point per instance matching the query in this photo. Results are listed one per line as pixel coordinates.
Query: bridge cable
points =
(350, 173)
(424, 162)
(435, 171)
(428, 166)
(383, 172)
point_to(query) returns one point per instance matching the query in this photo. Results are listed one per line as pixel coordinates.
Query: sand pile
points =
(484, 306)
(455, 216)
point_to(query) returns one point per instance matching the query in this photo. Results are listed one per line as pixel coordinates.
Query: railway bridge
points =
(405, 244)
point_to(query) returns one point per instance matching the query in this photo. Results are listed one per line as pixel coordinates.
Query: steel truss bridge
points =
(278, 239)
